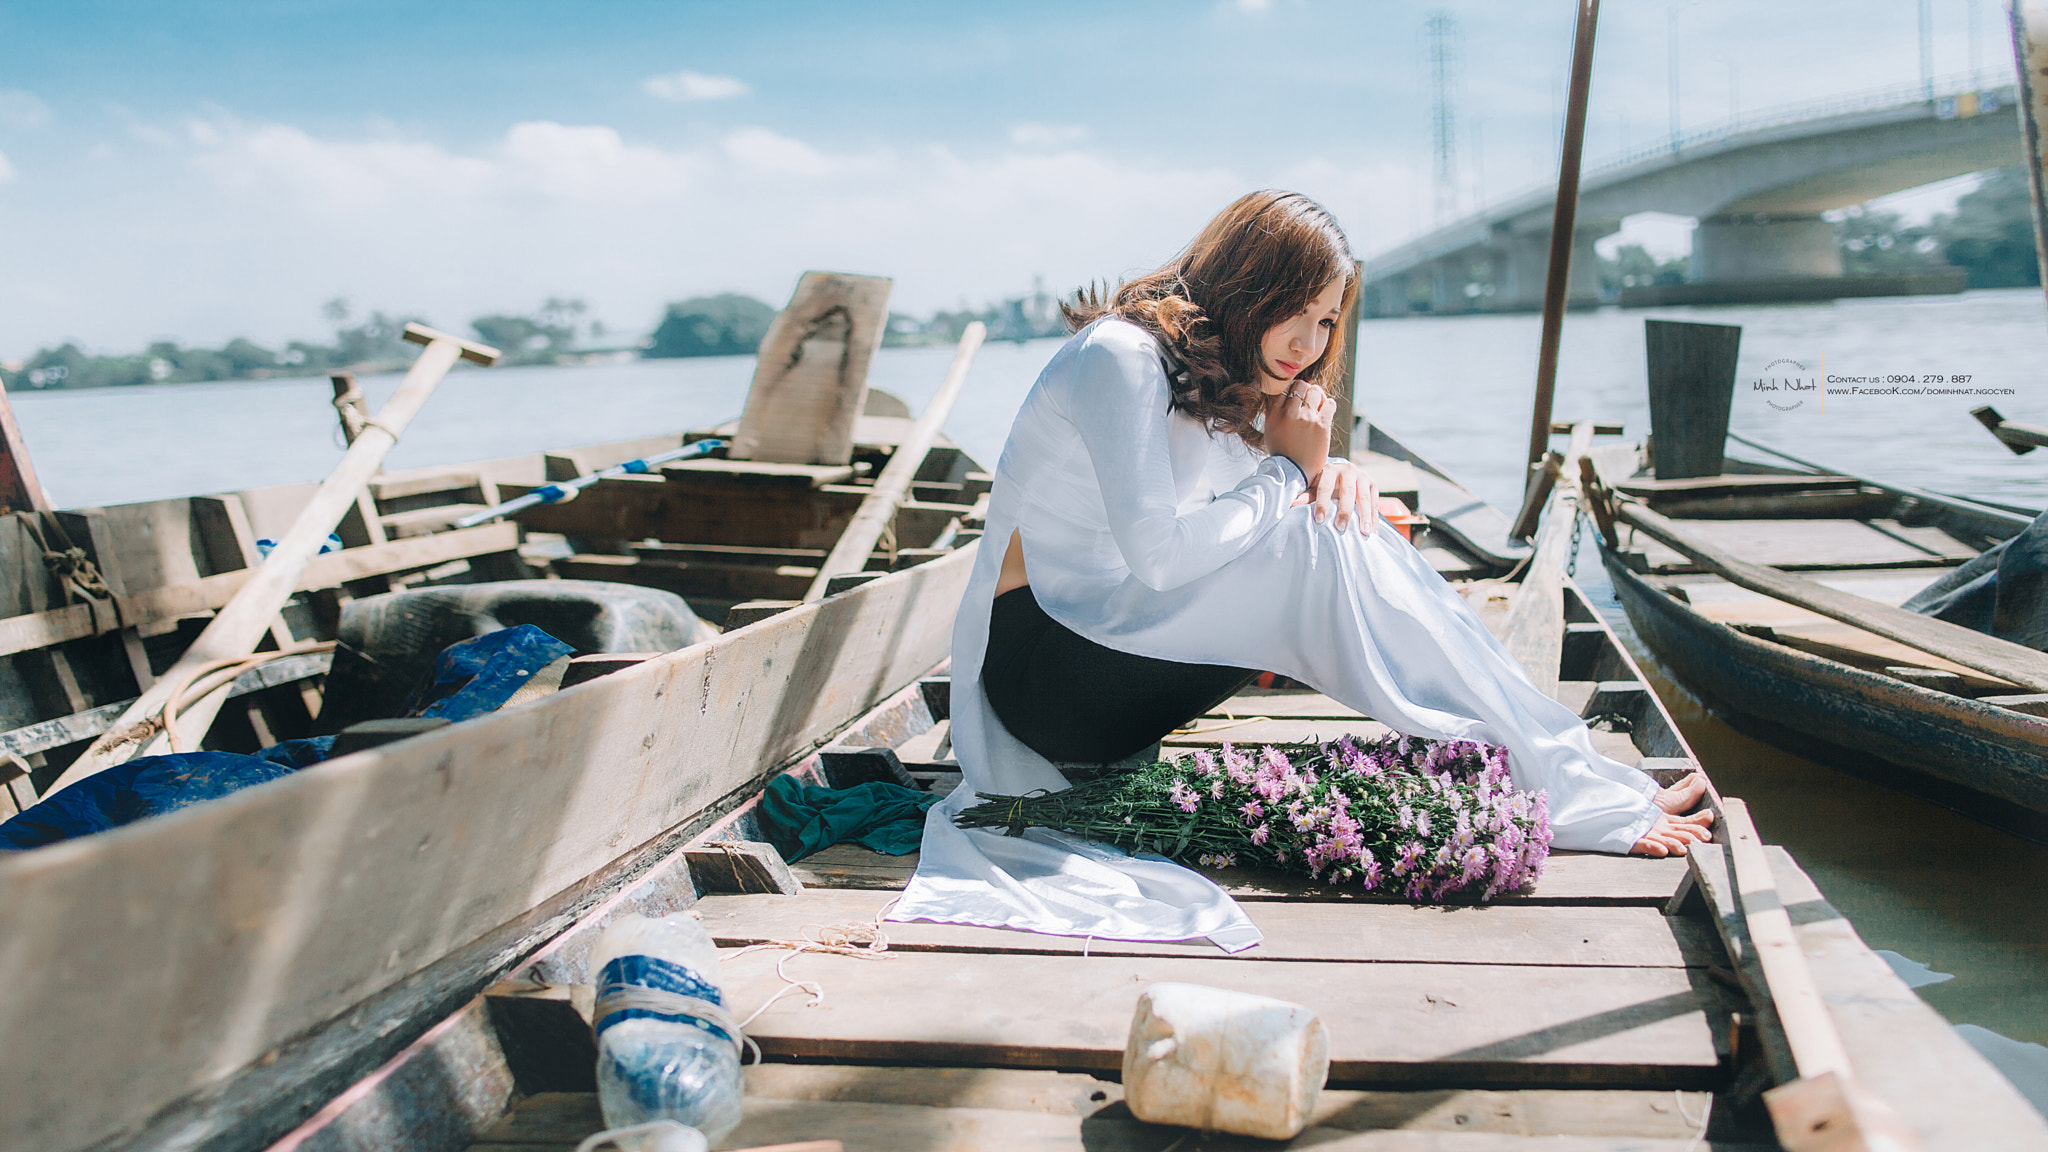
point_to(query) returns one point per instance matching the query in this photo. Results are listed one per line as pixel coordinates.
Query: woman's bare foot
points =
(1684, 795)
(1672, 835)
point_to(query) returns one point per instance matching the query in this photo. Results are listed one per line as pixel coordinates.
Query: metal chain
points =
(1571, 563)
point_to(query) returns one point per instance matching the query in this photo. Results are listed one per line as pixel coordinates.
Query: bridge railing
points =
(1868, 100)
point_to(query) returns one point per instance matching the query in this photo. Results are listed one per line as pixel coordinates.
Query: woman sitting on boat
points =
(1166, 519)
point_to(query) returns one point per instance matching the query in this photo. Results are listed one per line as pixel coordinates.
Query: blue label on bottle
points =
(649, 988)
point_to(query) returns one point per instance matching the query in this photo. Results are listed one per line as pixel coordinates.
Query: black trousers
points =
(1071, 700)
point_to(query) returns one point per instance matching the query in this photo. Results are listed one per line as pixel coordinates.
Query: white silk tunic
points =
(1145, 533)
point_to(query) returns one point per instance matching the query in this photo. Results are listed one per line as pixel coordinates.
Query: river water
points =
(1914, 878)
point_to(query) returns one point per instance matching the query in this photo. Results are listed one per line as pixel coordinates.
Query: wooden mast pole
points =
(1564, 217)
(2030, 59)
(1347, 375)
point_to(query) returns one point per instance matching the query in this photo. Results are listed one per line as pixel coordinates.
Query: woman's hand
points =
(1298, 427)
(1673, 835)
(1345, 488)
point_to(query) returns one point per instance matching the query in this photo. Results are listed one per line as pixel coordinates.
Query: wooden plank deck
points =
(1600, 936)
(1470, 1025)
(1585, 878)
(880, 1109)
(1507, 1028)
(1498, 1029)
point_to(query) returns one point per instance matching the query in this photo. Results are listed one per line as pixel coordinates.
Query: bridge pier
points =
(1386, 296)
(1771, 257)
(1447, 287)
(1526, 263)
(1764, 246)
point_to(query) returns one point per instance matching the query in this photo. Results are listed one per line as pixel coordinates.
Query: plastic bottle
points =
(666, 1049)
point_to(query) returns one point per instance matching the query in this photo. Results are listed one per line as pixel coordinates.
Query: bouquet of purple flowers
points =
(1424, 819)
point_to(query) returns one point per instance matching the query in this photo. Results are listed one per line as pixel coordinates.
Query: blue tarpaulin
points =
(470, 679)
(478, 675)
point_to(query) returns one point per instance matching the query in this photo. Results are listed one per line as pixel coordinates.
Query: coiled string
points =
(864, 941)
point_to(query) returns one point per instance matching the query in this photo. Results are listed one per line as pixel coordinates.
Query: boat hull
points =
(1987, 762)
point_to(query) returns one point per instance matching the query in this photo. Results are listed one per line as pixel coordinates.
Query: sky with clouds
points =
(202, 169)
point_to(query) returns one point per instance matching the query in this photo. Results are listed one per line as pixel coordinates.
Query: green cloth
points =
(800, 818)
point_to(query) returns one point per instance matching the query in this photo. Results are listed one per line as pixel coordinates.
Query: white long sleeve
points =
(1118, 400)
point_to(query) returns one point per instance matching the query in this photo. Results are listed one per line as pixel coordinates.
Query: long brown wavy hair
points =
(1259, 262)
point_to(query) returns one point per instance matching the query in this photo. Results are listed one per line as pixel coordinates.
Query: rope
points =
(217, 674)
(732, 851)
(1706, 1114)
(845, 938)
(616, 998)
(1571, 561)
(1194, 727)
(140, 732)
(350, 407)
(76, 573)
(653, 1136)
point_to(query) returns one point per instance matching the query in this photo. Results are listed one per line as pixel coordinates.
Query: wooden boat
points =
(1771, 592)
(1616, 1004)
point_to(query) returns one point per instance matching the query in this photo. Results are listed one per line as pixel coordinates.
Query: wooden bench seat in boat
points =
(1809, 545)
(1789, 624)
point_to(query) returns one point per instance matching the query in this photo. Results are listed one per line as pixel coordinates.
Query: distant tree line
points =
(1018, 318)
(1632, 266)
(1990, 236)
(372, 343)
(724, 325)
(560, 330)
(733, 325)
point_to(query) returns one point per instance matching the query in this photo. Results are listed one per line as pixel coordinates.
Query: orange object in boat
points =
(1396, 513)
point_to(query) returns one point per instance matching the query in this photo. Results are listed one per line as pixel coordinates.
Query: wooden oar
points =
(1987, 654)
(850, 554)
(242, 623)
(567, 489)
(1825, 1109)
(2021, 438)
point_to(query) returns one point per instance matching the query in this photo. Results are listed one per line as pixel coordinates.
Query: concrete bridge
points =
(1757, 186)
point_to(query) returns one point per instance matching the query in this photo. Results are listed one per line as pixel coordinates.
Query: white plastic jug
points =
(1226, 1061)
